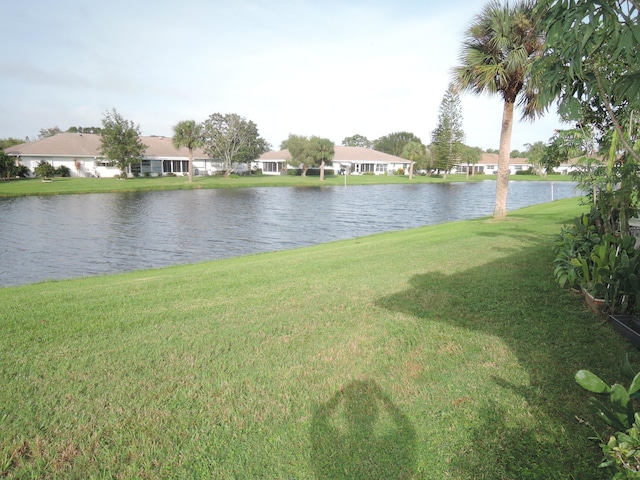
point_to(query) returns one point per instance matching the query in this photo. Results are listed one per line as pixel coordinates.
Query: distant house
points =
(352, 160)
(80, 152)
(489, 164)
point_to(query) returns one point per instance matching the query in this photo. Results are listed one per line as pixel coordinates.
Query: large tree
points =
(591, 63)
(253, 150)
(95, 130)
(535, 154)
(9, 142)
(394, 143)
(120, 141)
(470, 156)
(357, 141)
(48, 132)
(188, 133)
(448, 137)
(227, 136)
(299, 151)
(498, 51)
(322, 151)
(309, 152)
(415, 152)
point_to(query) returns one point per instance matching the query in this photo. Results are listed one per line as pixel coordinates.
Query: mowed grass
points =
(60, 186)
(440, 352)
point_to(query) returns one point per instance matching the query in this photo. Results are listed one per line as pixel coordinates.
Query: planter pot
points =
(628, 326)
(595, 304)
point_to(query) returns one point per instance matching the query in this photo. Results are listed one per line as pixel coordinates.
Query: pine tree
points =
(448, 137)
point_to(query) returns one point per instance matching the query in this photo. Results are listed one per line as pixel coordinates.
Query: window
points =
(270, 167)
(175, 166)
(380, 168)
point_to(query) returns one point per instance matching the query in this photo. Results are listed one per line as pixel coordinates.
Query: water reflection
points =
(69, 236)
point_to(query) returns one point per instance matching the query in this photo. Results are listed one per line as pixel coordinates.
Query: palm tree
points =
(188, 133)
(323, 151)
(498, 52)
(414, 152)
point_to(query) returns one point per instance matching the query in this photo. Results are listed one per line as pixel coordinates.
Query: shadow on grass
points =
(552, 335)
(359, 433)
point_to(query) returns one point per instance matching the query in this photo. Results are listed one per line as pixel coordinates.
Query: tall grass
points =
(440, 352)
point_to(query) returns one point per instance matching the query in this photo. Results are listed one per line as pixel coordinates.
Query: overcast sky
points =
(330, 68)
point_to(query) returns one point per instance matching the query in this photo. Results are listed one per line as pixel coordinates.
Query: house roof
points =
(62, 144)
(342, 154)
(158, 146)
(89, 144)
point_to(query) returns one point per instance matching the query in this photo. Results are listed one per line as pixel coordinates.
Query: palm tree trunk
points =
(190, 165)
(502, 181)
(322, 171)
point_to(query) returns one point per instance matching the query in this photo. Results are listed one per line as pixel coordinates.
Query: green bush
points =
(63, 171)
(525, 172)
(574, 241)
(620, 273)
(22, 171)
(44, 170)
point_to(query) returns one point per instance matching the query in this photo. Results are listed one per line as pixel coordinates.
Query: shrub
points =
(23, 171)
(619, 271)
(574, 241)
(44, 170)
(63, 171)
(525, 172)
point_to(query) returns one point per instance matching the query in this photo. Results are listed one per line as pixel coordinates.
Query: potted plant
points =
(591, 283)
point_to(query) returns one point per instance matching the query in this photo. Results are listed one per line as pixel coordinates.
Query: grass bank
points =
(59, 186)
(440, 352)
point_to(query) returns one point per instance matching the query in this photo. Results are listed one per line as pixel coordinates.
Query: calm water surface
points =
(66, 236)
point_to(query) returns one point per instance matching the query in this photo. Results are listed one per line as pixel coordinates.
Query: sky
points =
(329, 68)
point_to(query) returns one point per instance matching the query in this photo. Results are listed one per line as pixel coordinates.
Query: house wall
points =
(275, 167)
(78, 166)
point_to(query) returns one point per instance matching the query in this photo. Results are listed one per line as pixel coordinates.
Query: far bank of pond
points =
(58, 237)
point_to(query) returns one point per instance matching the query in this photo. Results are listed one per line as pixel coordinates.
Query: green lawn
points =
(441, 352)
(16, 188)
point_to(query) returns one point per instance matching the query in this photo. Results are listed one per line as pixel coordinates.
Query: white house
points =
(80, 152)
(489, 164)
(352, 160)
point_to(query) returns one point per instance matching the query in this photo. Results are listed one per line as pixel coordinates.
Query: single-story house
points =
(351, 160)
(489, 164)
(80, 152)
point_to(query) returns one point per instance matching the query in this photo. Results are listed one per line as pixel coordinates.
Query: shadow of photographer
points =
(360, 433)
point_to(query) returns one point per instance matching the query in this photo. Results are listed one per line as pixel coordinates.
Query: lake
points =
(67, 236)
